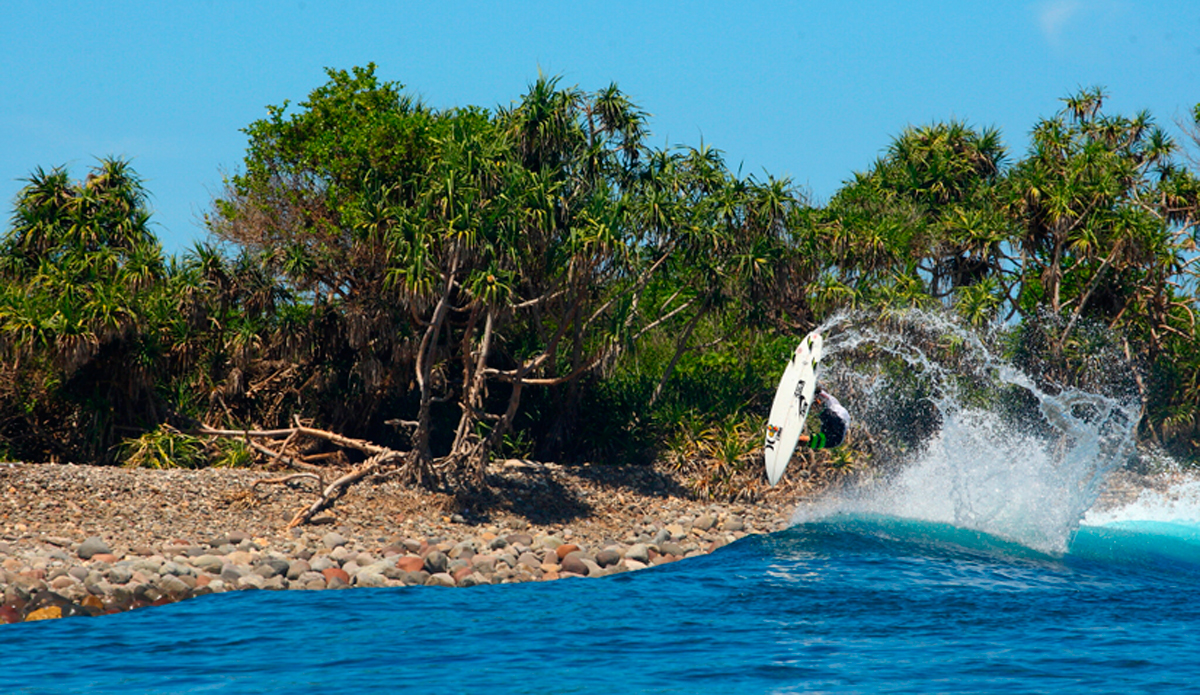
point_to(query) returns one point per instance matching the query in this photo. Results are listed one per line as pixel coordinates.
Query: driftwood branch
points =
(380, 458)
(335, 489)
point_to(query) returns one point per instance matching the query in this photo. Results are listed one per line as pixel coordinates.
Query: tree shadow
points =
(546, 498)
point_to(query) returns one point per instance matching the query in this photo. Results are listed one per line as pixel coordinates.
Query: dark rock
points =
(436, 561)
(279, 565)
(231, 573)
(573, 562)
(147, 592)
(608, 556)
(92, 546)
(473, 579)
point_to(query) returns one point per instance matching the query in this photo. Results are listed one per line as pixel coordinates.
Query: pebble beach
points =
(88, 540)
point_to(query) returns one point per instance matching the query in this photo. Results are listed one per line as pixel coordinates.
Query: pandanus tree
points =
(82, 302)
(461, 256)
(921, 226)
(1107, 220)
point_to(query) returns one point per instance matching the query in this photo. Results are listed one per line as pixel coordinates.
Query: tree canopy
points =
(465, 283)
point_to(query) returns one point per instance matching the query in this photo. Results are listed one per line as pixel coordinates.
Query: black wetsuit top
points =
(834, 421)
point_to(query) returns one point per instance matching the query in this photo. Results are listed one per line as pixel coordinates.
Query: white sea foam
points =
(1175, 501)
(1027, 477)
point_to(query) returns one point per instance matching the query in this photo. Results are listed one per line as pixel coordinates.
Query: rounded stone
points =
(436, 562)
(638, 552)
(296, 569)
(519, 539)
(174, 586)
(672, 548)
(232, 573)
(410, 563)
(370, 579)
(574, 562)
(207, 563)
(440, 579)
(473, 579)
(608, 556)
(92, 546)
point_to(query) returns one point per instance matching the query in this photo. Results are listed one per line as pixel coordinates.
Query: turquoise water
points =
(979, 563)
(847, 604)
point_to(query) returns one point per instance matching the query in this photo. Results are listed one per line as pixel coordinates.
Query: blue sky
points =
(810, 90)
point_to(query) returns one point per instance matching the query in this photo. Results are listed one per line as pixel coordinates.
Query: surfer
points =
(834, 421)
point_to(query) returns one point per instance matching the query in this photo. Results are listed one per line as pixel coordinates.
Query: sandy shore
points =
(85, 540)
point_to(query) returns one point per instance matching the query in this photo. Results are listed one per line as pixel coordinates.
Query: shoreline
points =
(92, 540)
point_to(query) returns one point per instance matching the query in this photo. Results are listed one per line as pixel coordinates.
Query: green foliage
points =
(537, 281)
(230, 453)
(82, 305)
(162, 448)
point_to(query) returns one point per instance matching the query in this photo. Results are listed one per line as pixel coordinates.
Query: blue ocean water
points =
(855, 603)
(980, 562)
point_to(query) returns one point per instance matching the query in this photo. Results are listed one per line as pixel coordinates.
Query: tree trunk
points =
(680, 348)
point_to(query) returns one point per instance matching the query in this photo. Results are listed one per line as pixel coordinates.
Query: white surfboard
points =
(790, 408)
